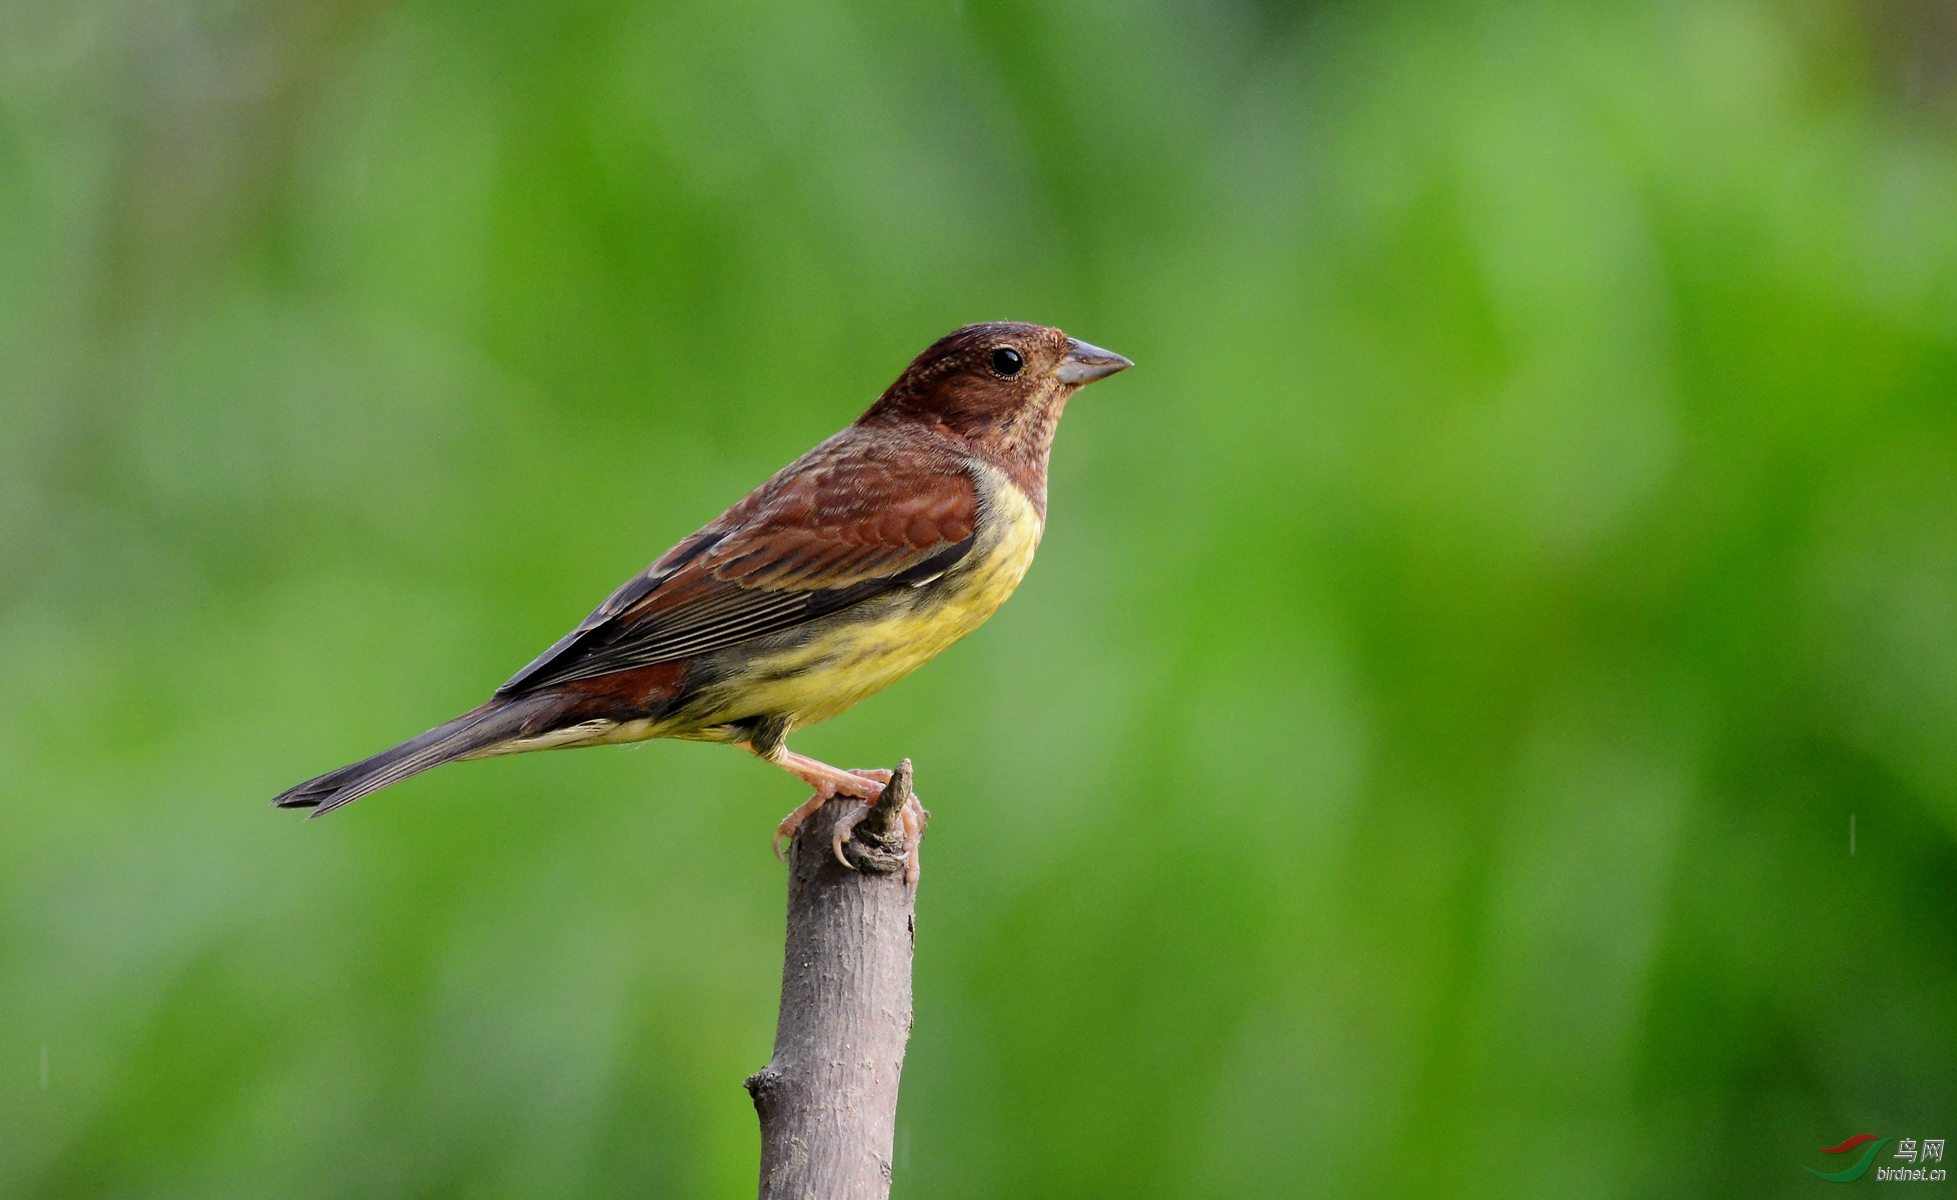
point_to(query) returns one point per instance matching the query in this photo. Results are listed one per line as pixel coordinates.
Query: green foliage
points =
(1421, 762)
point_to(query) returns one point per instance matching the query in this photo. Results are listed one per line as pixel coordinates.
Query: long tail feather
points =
(473, 731)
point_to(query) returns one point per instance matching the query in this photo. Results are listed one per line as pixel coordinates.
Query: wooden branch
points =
(828, 1098)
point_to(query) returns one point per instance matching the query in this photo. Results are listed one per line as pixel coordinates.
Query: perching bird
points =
(852, 567)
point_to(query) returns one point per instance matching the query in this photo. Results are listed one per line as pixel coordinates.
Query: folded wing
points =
(831, 531)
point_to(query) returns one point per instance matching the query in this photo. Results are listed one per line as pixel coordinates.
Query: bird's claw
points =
(825, 791)
(792, 823)
(913, 814)
(829, 783)
(846, 825)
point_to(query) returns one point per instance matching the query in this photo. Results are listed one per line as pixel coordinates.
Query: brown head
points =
(1000, 388)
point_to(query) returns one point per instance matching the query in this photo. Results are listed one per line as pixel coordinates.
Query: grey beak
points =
(1084, 363)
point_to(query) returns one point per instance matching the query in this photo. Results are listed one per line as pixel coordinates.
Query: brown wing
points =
(841, 525)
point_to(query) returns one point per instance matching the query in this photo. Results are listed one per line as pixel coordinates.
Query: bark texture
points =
(828, 1098)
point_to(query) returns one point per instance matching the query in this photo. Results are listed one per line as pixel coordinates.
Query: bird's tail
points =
(471, 733)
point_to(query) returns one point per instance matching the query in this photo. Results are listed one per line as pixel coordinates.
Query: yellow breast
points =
(879, 643)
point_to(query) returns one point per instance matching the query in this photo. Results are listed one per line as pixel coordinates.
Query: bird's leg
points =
(828, 782)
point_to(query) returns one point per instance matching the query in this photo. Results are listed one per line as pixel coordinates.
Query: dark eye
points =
(1006, 361)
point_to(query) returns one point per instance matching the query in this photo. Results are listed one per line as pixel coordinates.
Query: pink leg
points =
(828, 782)
(832, 781)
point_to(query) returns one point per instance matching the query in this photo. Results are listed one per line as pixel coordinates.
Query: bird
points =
(847, 570)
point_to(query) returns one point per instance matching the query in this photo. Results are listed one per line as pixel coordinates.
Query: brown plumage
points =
(852, 566)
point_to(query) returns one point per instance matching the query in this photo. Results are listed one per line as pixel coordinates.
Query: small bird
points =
(852, 567)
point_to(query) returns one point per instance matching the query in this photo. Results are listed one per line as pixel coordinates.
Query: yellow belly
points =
(884, 641)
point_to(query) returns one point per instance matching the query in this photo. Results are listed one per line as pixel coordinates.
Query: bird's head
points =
(999, 386)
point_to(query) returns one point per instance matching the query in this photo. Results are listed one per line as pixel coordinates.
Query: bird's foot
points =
(828, 782)
(792, 823)
(913, 814)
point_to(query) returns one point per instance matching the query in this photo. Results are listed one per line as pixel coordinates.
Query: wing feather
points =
(843, 524)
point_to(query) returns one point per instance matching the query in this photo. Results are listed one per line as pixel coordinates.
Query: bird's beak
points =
(1084, 363)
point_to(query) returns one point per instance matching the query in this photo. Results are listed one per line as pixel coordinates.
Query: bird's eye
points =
(1006, 361)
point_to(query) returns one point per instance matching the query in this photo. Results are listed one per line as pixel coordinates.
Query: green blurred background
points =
(1420, 763)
